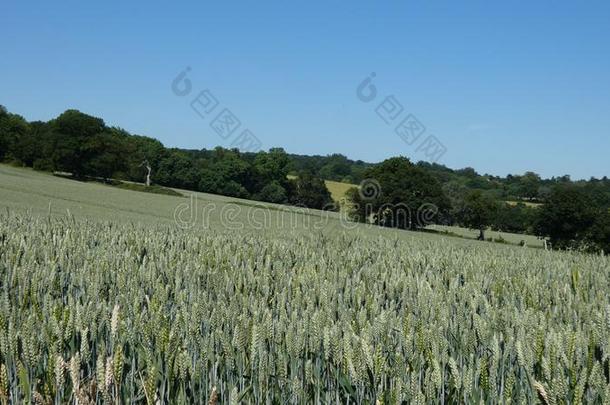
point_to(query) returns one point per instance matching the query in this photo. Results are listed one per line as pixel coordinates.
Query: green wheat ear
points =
(266, 317)
(575, 277)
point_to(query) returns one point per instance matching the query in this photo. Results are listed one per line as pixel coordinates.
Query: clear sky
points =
(506, 86)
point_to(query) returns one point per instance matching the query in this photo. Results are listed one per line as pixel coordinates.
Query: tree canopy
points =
(572, 218)
(395, 192)
(477, 212)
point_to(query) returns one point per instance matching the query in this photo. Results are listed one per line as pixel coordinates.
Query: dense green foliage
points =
(36, 144)
(334, 167)
(401, 195)
(311, 192)
(109, 313)
(572, 220)
(84, 146)
(514, 218)
(395, 192)
(477, 212)
(528, 187)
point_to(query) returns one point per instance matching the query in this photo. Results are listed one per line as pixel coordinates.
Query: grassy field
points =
(119, 296)
(513, 238)
(337, 189)
(527, 203)
(42, 194)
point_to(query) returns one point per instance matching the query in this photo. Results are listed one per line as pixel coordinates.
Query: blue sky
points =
(505, 86)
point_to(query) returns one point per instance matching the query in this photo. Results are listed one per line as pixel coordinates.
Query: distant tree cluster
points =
(396, 193)
(84, 146)
(527, 188)
(334, 167)
(570, 214)
(573, 216)
(575, 219)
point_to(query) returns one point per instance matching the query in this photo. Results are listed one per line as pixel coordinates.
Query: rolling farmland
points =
(118, 296)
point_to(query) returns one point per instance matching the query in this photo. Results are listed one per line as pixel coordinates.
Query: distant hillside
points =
(528, 188)
(84, 146)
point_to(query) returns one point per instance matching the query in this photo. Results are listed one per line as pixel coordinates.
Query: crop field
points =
(513, 238)
(337, 189)
(109, 296)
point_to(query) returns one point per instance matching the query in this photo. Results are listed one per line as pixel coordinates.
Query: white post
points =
(148, 175)
(149, 169)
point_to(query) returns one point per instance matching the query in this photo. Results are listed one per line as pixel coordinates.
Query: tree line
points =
(571, 214)
(85, 146)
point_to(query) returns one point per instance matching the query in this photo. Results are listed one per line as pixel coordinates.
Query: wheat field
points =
(101, 308)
